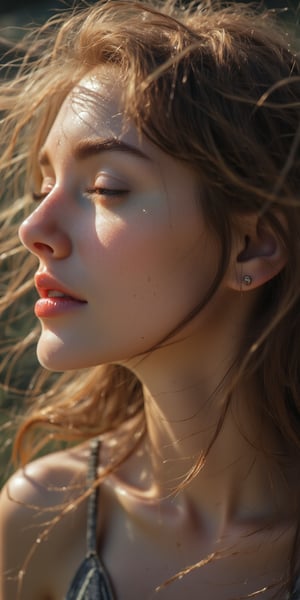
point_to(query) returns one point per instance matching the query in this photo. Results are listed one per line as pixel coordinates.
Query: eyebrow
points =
(86, 148)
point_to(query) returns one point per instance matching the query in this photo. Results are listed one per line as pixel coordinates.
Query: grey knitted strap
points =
(91, 533)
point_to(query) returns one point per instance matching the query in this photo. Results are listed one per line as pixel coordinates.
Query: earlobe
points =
(258, 256)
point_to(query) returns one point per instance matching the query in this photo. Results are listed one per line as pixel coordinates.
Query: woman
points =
(161, 145)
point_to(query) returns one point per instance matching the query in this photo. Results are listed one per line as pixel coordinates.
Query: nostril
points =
(39, 246)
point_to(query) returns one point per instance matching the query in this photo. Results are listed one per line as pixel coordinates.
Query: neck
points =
(235, 447)
(191, 422)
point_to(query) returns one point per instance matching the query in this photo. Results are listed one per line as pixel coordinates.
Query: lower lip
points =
(55, 307)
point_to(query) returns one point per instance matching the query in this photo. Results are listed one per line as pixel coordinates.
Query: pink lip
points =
(53, 306)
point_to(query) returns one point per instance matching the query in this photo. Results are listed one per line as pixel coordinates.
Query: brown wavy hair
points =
(216, 87)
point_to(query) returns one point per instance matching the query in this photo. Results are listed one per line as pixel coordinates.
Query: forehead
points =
(93, 111)
(93, 104)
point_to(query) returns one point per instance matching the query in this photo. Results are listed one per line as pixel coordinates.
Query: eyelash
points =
(39, 196)
(106, 192)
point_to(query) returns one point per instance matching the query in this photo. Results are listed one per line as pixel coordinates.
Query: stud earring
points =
(247, 279)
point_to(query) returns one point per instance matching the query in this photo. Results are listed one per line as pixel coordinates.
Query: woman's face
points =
(124, 254)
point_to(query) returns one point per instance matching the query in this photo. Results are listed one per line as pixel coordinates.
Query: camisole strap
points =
(91, 581)
(91, 532)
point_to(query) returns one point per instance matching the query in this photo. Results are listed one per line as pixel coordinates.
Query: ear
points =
(258, 254)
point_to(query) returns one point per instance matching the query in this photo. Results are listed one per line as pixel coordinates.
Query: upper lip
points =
(44, 283)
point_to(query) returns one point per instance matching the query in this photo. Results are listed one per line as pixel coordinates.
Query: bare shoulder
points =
(37, 525)
(48, 473)
(45, 483)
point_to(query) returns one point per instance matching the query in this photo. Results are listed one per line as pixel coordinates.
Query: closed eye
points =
(107, 192)
(104, 192)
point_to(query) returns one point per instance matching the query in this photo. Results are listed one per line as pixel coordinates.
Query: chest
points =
(141, 561)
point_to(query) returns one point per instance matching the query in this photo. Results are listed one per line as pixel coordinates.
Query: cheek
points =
(140, 243)
(149, 256)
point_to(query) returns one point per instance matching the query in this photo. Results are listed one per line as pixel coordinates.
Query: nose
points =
(44, 233)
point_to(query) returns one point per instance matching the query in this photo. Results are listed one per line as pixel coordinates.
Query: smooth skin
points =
(120, 225)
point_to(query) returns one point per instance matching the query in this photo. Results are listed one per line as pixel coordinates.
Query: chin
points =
(56, 355)
(62, 352)
(56, 363)
(53, 355)
(50, 362)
